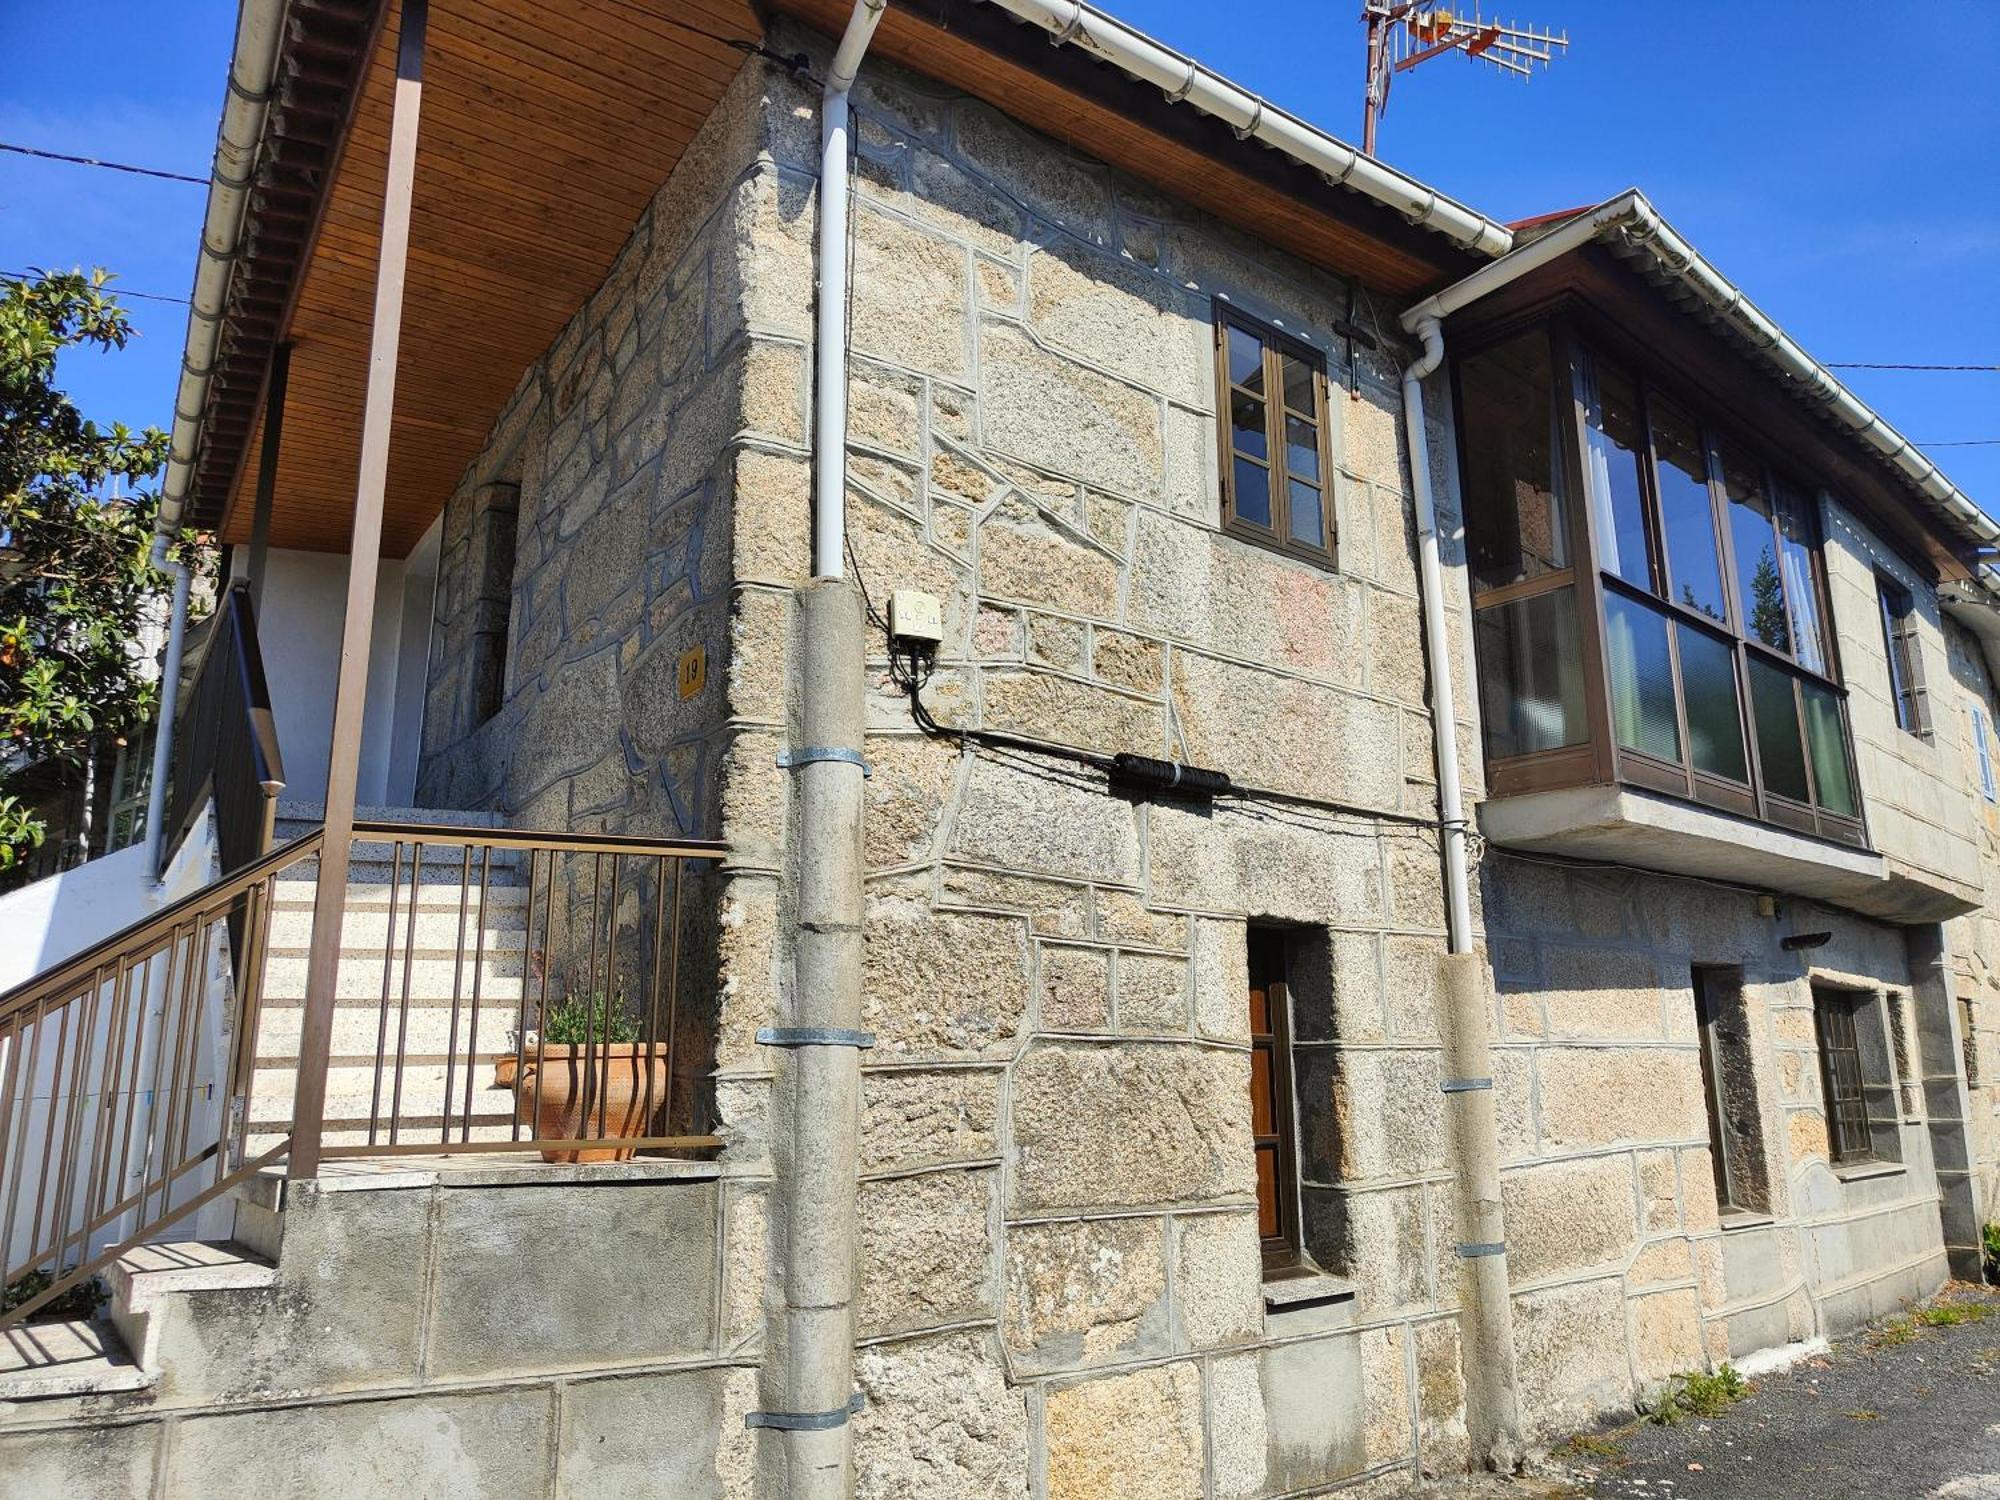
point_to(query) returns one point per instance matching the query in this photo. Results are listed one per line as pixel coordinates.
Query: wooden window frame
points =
(1270, 953)
(1276, 343)
(1848, 1137)
(1574, 335)
(1902, 654)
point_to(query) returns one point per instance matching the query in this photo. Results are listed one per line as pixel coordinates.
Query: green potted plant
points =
(588, 1045)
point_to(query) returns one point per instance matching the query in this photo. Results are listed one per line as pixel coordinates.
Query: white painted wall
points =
(46, 922)
(305, 595)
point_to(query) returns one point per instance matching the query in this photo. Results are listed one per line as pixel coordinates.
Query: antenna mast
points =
(1405, 33)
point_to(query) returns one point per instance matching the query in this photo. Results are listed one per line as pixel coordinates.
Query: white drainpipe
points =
(1492, 1402)
(830, 314)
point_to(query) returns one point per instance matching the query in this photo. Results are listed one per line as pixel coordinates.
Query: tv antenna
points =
(1402, 34)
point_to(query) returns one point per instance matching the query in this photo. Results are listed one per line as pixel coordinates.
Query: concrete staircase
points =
(455, 940)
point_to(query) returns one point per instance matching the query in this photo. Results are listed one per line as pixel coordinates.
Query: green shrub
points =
(80, 1301)
(1698, 1395)
(1951, 1314)
(575, 1019)
(1990, 1240)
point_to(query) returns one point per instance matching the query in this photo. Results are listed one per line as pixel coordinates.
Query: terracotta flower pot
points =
(548, 1098)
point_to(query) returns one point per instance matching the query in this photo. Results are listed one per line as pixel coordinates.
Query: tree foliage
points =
(76, 525)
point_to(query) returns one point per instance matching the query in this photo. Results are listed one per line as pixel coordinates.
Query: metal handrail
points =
(117, 1105)
(148, 930)
(226, 742)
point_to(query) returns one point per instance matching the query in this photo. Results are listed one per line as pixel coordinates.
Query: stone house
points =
(1100, 1135)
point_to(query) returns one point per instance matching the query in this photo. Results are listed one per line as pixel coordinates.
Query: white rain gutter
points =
(830, 312)
(1636, 226)
(1185, 81)
(259, 25)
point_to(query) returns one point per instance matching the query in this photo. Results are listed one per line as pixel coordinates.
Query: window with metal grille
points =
(1841, 1074)
(1271, 1117)
(1899, 642)
(1276, 478)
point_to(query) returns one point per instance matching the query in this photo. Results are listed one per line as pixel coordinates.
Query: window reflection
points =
(1642, 679)
(1615, 440)
(1687, 516)
(1517, 528)
(1797, 537)
(1760, 589)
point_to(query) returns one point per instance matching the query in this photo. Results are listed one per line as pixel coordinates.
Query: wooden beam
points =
(357, 629)
(267, 471)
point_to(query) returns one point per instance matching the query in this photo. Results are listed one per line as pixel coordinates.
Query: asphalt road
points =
(1903, 1412)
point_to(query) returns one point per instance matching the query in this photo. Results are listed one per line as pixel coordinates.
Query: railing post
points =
(344, 759)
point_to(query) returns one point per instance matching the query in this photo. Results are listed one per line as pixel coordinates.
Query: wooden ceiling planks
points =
(545, 132)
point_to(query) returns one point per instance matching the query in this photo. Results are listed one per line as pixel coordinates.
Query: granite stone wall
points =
(1974, 939)
(1060, 1284)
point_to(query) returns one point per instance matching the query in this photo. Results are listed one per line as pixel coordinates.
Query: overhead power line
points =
(1965, 443)
(1836, 364)
(116, 291)
(113, 166)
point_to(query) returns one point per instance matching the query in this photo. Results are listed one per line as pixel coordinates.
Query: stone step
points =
(491, 1129)
(118, 1350)
(426, 1030)
(352, 1085)
(431, 977)
(433, 893)
(436, 926)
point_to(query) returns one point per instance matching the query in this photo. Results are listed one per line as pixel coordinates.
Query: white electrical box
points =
(916, 618)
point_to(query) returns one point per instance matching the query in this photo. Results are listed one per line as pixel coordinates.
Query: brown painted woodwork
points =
(1271, 1098)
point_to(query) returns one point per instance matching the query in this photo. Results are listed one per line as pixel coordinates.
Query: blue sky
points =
(1848, 180)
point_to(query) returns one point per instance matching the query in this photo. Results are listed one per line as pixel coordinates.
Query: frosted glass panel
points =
(1642, 679)
(1715, 724)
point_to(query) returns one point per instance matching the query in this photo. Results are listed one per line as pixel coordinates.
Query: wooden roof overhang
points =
(545, 130)
(1635, 318)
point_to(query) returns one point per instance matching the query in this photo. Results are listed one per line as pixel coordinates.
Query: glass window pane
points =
(1829, 751)
(1246, 425)
(1642, 679)
(1795, 559)
(1253, 492)
(1299, 386)
(1531, 674)
(1302, 449)
(1760, 593)
(1715, 726)
(1516, 522)
(1687, 519)
(1779, 751)
(1246, 359)
(1613, 444)
(1307, 520)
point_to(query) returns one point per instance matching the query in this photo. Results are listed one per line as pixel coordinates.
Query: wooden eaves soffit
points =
(546, 130)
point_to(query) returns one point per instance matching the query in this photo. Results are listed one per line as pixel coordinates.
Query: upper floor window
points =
(1982, 744)
(1273, 415)
(1695, 656)
(1899, 644)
